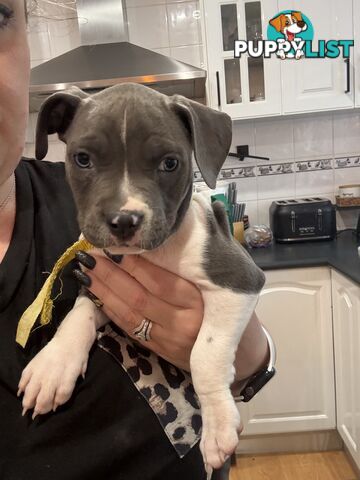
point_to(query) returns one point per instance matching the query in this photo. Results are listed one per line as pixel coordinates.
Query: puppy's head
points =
(129, 159)
(289, 24)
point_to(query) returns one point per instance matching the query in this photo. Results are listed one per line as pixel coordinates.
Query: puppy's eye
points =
(169, 164)
(287, 22)
(82, 160)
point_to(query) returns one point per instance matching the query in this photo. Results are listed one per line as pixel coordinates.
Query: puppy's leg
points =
(49, 379)
(226, 316)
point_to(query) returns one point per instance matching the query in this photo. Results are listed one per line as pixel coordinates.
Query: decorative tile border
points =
(275, 169)
(347, 162)
(230, 173)
(284, 168)
(314, 165)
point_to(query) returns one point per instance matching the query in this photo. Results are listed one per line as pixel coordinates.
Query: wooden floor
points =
(307, 466)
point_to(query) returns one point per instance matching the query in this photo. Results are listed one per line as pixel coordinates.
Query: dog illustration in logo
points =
(289, 24)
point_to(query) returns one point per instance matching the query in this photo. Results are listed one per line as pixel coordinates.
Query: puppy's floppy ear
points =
(55, 116)
(297, 15)
(277, 23)
(211, 133)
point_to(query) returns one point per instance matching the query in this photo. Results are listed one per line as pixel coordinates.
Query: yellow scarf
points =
(43, 304)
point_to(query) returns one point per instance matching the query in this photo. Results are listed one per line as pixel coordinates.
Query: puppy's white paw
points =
(49, 379)
(221, 428)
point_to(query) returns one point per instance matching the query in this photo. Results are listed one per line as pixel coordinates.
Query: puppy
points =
(129, 164)
(289, 25)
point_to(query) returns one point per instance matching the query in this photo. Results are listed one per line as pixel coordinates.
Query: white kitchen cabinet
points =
(310, 85)
(244, 87)
(295, 306)
(346, 315)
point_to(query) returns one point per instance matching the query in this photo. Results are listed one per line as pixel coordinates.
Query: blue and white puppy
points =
(129, 164)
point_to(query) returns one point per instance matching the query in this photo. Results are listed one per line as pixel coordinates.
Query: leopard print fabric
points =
(166, 388)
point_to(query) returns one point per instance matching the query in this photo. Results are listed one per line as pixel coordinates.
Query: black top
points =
(107, 430)
(341, 254)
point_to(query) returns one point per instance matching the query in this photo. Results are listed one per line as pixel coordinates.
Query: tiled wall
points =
(309, 154)
(170, 27)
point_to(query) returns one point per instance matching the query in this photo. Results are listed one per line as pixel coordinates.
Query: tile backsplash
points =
(169, 27)
(310, 155)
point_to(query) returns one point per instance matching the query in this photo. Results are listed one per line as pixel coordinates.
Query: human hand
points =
(135, 289)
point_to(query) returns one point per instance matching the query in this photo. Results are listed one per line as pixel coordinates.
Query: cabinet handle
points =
(218, 88)
(348, 85)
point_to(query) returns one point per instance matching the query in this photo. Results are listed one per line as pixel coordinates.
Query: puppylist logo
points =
(291, 36)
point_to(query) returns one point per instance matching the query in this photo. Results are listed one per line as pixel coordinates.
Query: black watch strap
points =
(261, 378)
(256, 383)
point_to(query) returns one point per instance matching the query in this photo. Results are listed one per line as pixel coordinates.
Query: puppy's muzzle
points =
(125, 224)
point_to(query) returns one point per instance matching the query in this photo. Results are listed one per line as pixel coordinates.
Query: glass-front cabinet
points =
(242, 87)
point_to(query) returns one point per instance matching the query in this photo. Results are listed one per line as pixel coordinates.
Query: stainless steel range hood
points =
(107, 58)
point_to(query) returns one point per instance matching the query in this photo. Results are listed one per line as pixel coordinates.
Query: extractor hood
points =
(106, 58)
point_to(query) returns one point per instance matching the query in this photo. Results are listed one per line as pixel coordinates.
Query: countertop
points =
(341, 254)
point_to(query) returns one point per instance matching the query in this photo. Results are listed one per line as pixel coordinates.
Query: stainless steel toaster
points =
(298, 220)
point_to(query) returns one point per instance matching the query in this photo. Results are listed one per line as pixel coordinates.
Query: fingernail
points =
(19, 392)
(55, 407)
(34, 415)
(115, 258)
(85, 259)
(24, 412)
(82, 278)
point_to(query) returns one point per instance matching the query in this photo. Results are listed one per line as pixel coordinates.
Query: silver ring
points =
(142, 332)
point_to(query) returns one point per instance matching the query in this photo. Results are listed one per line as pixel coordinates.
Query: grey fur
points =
(226, 262)
(156, 126)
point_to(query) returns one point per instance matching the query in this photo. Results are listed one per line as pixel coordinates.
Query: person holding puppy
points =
(109, 428)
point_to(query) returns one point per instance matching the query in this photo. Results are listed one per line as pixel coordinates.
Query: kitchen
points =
(303, 116)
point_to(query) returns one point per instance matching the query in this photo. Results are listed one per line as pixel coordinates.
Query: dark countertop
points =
(341, 254)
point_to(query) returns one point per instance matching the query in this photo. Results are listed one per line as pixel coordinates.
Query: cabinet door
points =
(244, 87)
(295, 306)
(356, 63)
(346, 311)
(319, 84)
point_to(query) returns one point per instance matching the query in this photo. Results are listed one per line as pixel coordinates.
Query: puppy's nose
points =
(124, 224)
(301, 24)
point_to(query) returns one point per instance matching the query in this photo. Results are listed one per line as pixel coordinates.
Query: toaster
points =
(303, 219)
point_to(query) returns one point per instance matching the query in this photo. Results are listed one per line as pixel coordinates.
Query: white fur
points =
(226, 314)
(124, 130)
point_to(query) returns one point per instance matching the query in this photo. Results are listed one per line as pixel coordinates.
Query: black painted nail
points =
(85, 259)
(82, 278)
(115, 258)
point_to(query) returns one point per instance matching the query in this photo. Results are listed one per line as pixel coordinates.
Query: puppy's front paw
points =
(49, 379)
(221, 428)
